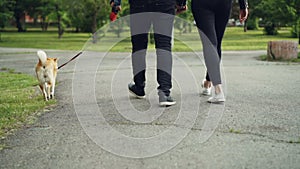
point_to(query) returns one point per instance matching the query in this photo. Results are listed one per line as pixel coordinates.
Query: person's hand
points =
(181, 9)
(112, 4)
(119, 8)
(243, 15)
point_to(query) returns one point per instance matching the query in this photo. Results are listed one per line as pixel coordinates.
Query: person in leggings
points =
(211, 17)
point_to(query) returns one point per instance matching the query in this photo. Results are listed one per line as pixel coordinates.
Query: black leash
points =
(70, 60)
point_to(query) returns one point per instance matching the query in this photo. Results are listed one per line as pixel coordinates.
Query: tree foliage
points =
(89, 15)
(275, 13)
(5, 12)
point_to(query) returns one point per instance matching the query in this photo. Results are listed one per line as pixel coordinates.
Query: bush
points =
(296, 29)
(270, 29)
(252, 24)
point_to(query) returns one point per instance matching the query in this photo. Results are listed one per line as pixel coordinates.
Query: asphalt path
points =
(97, 124)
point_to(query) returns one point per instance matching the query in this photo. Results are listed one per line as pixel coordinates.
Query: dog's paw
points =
(51, 96)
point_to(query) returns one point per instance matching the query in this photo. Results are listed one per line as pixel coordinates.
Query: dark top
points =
(243, 3)
(178, 2)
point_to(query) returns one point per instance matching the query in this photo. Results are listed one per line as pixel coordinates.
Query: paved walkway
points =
(97, 125)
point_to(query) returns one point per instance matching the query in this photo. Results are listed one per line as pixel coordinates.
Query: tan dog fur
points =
(46, 71)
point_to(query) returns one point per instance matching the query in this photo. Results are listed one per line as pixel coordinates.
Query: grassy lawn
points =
(20, 103)
(295, 60)
(43, 40)
(234, 39)
(252, 40)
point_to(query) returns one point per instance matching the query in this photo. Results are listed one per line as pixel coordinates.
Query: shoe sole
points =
(216, 101)
(167, 103)
(137, 96)
(205, 94)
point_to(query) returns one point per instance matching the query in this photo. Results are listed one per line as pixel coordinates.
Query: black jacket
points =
(243, 3)
(178, 2)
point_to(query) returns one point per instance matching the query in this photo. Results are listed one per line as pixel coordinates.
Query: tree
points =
(88, 15)
(76, 13)
(5, 13)
(276, 13)
(253, 18)
(19, 14)
(21, 8)
(56, 10)
(59, 15)
(97, 8)
(295, 10)
(43, 11)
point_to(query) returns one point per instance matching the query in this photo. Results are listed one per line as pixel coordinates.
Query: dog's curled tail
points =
(42, 56)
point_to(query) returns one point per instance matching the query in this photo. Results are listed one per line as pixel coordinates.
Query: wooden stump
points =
(282, 50)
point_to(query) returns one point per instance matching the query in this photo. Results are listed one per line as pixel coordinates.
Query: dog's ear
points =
(55, 59)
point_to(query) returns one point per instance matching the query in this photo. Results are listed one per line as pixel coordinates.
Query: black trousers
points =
(211, 17)
(159, 14)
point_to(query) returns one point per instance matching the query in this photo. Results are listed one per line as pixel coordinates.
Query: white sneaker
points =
(205, 91)
(217, 98)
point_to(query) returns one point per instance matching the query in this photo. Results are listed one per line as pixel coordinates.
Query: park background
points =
(69, 24)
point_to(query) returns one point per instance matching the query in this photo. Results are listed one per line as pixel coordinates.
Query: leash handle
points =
(70, 60)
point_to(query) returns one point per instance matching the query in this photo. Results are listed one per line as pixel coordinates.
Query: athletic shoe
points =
(137, 92)
(217, 98)
(165, 100)
(205, 91)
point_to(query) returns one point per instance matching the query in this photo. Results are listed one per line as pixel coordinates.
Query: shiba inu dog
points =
(46, 71)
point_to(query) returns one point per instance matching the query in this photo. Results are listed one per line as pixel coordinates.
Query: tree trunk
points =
(120, 26)
(59, 24)
(60, 28)
(44, 24)
(282, 50)
(245, 26)
(94, 24)
(20, 18)
(94, 27)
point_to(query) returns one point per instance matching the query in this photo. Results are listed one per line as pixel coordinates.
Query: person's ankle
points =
(218, 89)
(207, 84)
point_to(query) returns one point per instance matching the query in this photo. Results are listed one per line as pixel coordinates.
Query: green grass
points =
(295, 141)
(295, 60)
(231, 130)
(43, 40)
(19, 102)
(125, 45)
(234, 39)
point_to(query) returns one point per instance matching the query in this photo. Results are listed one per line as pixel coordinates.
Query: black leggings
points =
(211, 17)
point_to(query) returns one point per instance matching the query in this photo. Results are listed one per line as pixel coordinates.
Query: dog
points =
(46, 72)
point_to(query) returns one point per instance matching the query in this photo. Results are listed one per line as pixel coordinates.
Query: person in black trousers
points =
(211, 17)
(160, 14)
